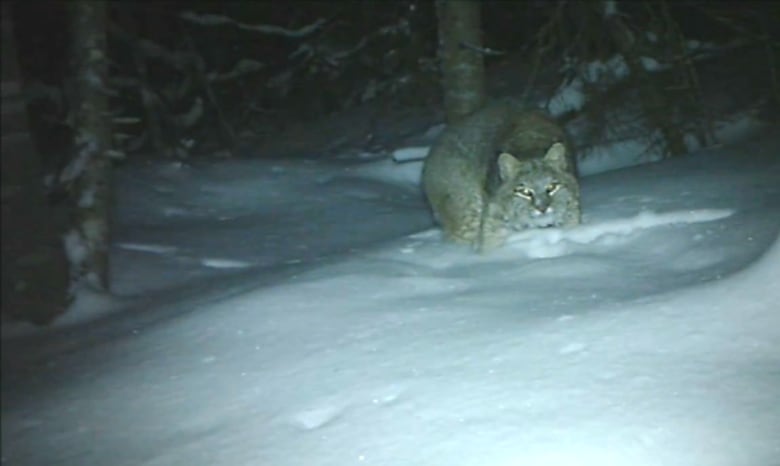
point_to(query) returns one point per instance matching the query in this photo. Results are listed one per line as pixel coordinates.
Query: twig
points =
(206, 19)
(481, 50)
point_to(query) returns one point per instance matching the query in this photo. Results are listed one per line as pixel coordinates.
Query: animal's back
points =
(456, 167)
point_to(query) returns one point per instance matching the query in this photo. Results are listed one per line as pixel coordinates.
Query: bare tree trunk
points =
(90, 168)
(461, 60)
(34, 268)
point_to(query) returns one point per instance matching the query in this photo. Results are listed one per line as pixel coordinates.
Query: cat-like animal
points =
(501, 169)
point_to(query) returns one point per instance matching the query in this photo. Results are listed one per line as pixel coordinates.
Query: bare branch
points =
(481, 50)
(207, 19)
(151, 49)
(243, 67)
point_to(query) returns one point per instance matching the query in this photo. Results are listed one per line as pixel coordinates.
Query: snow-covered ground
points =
(291, 313)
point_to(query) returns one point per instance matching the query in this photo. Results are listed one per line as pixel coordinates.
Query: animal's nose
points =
(542, 208)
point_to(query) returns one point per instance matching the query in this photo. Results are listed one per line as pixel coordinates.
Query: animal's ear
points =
(508, 166)
(556, 156)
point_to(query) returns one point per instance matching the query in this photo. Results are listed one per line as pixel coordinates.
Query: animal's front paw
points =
(490, 241)
(572, 220)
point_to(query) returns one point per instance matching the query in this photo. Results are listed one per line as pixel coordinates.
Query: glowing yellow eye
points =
(553, 187)
(522, 191)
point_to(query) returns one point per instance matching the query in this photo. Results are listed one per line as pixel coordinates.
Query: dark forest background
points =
(198, 77)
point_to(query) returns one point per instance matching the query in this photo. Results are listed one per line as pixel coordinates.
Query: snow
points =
(291, 312)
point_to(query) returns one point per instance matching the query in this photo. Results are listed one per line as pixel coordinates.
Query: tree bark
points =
(34, 268)
(462, 63)
(90, 167)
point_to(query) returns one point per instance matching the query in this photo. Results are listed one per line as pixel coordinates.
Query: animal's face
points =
(538, 193)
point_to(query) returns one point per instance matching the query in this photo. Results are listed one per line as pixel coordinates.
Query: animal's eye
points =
(522, 191)
(553, 188)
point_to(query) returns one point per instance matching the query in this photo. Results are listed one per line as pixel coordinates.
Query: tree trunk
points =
(461, 60)
(34, 268)
(90, 167)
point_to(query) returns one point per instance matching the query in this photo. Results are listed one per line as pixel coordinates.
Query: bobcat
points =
(500, 170)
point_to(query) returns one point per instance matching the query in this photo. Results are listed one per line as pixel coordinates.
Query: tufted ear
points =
(556, 156)
(508, 166)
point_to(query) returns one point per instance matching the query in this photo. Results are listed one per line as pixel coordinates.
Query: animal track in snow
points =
(387, 395)
(329, 410)
(316, 417)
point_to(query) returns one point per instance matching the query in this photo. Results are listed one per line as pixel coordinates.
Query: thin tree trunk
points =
(34, 268)
(90, 167)
(462, 63)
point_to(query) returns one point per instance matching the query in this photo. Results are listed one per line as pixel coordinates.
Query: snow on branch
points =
(218, 20)
(480, 50)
